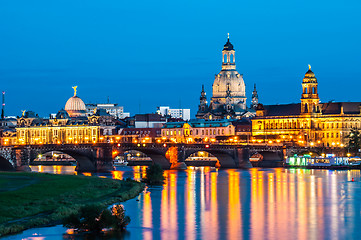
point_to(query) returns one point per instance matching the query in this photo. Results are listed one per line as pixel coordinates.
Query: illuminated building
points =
(140, 135)
(197, 131)
(70, 126)
(309, 123)
(184, 114)
(112, 108)
(229, 91)
(149, 120)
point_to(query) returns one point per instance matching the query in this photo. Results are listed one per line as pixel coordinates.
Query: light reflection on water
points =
(205, 203)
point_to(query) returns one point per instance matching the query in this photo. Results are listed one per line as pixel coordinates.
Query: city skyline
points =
(166, 60)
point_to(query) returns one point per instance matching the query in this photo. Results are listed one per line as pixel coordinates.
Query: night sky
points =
(143, 54)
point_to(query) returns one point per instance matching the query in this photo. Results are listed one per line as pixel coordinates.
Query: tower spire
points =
(3, 106)
(254, 98)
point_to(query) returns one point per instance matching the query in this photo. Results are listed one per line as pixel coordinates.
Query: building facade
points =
(308, 123)
(69, 126)
(184, 114)
(111, 108)
(196, 131)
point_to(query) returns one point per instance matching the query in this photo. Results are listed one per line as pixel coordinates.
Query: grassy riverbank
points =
(34, 199)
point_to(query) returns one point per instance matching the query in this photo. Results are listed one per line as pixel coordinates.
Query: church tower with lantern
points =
(229, 91)
(309, 98)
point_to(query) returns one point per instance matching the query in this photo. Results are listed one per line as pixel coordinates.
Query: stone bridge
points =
(89, 157)
(98, 157)
(229, 156)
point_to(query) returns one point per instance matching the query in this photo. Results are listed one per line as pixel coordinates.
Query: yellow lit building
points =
(309, 123)
(69, 126)
(197, 131)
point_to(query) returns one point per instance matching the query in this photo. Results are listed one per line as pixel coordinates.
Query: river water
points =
(206, 203)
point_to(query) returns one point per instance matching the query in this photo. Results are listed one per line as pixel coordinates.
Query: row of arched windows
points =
(310, 90)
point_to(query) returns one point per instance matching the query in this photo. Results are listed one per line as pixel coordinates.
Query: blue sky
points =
(143, 54)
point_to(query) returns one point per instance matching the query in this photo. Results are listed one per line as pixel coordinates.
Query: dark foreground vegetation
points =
(95, 218)
(36, 199)
(154, 175)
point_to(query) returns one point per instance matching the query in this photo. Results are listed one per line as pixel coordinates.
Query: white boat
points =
(120, 163)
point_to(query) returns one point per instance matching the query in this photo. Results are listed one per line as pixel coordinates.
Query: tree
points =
(96, 217)
(354, 140)
(154, 175)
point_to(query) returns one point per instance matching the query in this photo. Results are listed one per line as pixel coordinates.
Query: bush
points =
(96, 217)
(154, 175)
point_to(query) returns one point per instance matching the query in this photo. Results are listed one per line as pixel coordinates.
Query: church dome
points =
(228, 46)
(75, 107)
(309, 73)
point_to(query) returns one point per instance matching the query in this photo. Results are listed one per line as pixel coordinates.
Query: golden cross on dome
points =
(228, 35)
(309, 67)
(74, 90)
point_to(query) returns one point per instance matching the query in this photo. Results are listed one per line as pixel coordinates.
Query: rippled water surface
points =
(205, 203)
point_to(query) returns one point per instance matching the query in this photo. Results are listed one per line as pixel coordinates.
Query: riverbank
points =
(30, 200)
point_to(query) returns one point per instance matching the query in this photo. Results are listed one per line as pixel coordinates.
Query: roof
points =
(199, 123)
(283, 109)
(149, 117)
(228, 46)
(335, 107)
(327, 108)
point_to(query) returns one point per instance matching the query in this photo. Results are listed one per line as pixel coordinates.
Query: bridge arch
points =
(202, 158)
(83, 160)
(266, 159)
(156, 156)
(5, 165)
(225, 158)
